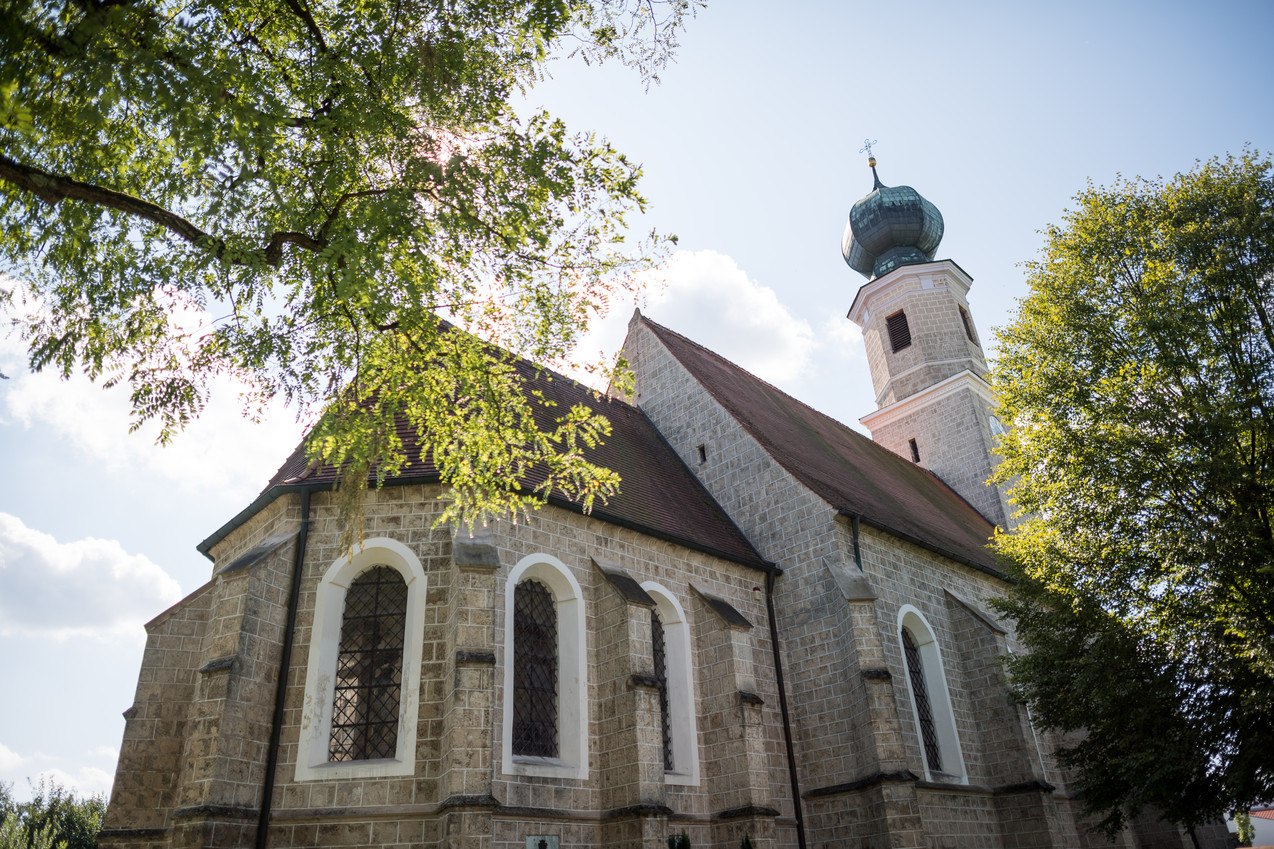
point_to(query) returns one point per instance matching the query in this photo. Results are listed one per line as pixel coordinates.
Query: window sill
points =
(542, 767)
(945, 780)
(378, 768)
(681, 778)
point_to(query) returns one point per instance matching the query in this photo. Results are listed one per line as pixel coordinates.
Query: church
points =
(778, 634)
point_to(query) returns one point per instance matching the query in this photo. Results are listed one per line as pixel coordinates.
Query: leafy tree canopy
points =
(1139, 377)
(309, 195)
(55, 818)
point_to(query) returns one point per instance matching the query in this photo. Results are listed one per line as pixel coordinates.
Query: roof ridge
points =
(875, 446)
(659, 327)
(601, 394)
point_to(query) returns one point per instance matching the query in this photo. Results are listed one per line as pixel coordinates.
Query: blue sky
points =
(996, 112)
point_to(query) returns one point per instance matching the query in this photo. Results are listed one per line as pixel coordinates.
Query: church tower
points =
(934, 405)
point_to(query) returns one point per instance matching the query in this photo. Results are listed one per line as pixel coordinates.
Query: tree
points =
(1139, 377)
(317, 197)
(55, 818)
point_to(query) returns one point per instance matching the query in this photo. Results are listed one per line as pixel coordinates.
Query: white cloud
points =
(104, 753)
(841, 338)
(24, 772)
(10, 760)
(709, 299)
(83, 780)
(221, 450)
(705, 296)
(89, 587)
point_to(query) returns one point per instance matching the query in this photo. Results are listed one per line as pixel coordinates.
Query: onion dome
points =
(890, 227)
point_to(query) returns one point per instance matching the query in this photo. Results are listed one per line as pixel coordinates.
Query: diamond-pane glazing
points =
(369, 667)
(659, 649)
(925, 713)
(534, 670)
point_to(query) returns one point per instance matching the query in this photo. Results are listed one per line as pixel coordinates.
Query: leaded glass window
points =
(658, 646)
(369, 667)
(924, 711)
(535, 684)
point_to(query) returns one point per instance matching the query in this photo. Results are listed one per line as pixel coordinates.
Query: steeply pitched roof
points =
(846, 469)
(658, 495)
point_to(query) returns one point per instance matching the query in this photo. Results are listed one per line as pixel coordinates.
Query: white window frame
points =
(572, 672)
(313, 751)
(681, 688)
(933, 671)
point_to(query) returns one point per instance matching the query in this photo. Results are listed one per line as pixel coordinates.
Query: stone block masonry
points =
(191, 765)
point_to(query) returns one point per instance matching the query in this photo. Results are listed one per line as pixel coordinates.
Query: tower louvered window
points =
(535, 690)
(659, 647)
(369, 667)
(899, 331)
(968, 325)
(924, 710)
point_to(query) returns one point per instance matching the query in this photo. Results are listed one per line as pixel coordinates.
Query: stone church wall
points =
(838, 727)
(1007, 778)
(786, 523)
(191, 767)
(144, 795)
(193, 759)
(860, 762)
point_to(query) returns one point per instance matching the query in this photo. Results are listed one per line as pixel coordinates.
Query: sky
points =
(996, 112)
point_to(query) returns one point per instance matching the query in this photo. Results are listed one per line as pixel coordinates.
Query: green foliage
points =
(308, 196)
(1246, 832)
(1139, 379)
(55, 818)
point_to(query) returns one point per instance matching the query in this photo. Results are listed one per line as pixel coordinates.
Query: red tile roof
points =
(658, 495)
(846, 469)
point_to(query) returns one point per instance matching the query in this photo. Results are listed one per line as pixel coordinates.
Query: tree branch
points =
(310, 24)
(54, 188)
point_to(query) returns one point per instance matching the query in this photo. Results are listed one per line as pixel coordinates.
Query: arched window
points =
(545, 661)
(924, 710)
(670, 640)
(534, 670)
(362, 682)
(930, 700)
(369, 667)
(660, 652)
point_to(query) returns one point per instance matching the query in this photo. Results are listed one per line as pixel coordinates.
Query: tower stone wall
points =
(950, 424)
(935, 406)
(931, 296)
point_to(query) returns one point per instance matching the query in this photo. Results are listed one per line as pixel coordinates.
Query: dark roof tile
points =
(658, 495)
